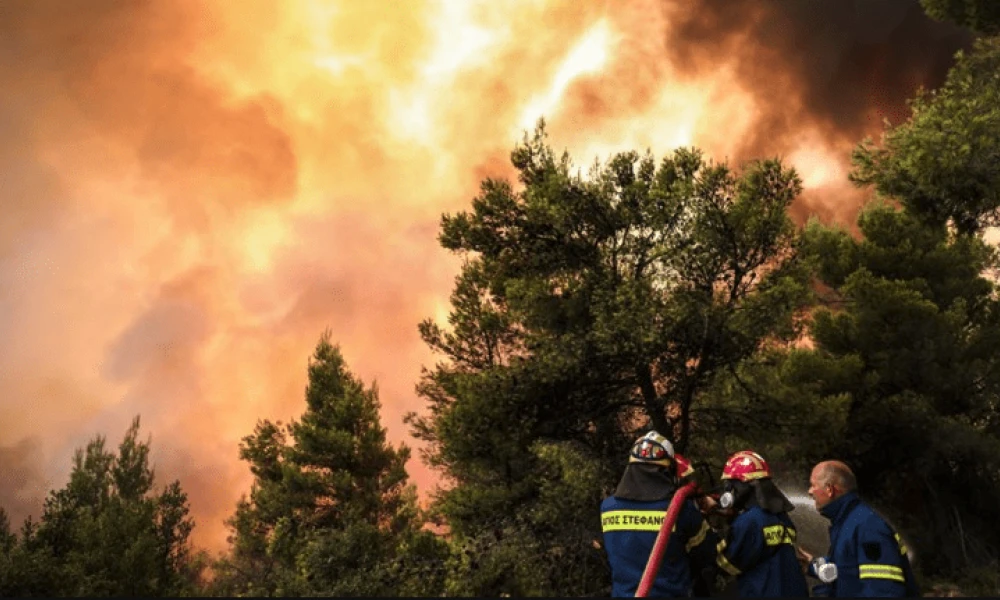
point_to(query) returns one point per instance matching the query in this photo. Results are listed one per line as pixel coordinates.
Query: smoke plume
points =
(193, 191)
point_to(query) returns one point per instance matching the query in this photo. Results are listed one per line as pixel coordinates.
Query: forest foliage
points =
(672, 293)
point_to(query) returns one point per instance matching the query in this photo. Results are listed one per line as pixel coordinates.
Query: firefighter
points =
(867, 558)
(704, 585)
(759, 549)
(686, 474)
(685, 470)
(631, 519)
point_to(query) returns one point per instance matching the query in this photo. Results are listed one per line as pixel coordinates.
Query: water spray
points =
(813, 527)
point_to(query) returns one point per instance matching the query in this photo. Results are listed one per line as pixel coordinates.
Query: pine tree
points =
(107, 532)
(587, 308)
(330, 511)
(913, 322)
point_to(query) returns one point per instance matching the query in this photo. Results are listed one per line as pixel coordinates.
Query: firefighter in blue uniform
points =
(867, 558)
(759, 549)
(631, 519)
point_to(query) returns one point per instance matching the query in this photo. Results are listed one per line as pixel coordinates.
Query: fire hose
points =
(660, 546)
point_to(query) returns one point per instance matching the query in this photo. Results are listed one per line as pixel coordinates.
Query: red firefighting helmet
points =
(684, 468)
(746, 465)
(653, 449)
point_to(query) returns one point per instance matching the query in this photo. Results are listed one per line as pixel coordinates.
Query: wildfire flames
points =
(193, 191)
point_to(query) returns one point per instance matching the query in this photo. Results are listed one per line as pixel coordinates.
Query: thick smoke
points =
(836, 68)
(841, 66)
(21, 480)
(193, 191)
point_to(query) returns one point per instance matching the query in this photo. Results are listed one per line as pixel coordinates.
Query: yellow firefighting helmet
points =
(653, 449)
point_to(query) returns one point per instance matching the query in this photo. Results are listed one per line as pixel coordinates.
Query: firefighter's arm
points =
(879, 561)
(741, 549)
(700, 543)
(701, 540)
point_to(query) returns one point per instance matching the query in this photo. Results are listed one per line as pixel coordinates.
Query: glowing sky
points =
(193, 190)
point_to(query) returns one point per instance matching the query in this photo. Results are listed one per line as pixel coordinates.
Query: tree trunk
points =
(654, 404)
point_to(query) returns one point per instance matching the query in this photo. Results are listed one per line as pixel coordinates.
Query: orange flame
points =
(200, 188)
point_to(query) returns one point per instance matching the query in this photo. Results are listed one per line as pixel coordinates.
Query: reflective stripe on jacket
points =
(870, 557)
(760, 551)
(630, 529)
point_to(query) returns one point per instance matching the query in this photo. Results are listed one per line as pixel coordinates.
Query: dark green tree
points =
(7, 537)
(8, 545)
(588, 308)
(911, 342)
(776, 403)
(913, 323)
(944, 163)
(982, 16)
(330, 511)
(107, 532)
(901, 379)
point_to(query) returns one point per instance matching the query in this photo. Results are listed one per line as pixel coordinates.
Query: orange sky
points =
(193, 191)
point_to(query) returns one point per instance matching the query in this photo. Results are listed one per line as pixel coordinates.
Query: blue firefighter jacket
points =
(870, 557)
(760, 551)
(630, 528)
